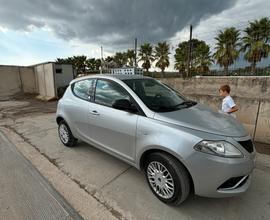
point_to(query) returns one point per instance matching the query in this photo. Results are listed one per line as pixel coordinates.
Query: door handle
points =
(94, 112)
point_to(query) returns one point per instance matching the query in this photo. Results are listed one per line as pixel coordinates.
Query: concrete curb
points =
(34, 187)
(87, 206)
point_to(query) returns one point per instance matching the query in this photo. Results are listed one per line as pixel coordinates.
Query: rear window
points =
(84, 89)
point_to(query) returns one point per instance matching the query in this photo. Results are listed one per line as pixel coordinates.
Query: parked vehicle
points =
(182, 146)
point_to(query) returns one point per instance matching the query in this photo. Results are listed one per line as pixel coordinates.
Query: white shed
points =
(51, 78)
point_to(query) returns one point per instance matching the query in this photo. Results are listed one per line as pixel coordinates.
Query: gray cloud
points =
(114, 23)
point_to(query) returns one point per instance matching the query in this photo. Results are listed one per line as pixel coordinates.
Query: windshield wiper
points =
(164, 108)
(187, 103)
(184, 104)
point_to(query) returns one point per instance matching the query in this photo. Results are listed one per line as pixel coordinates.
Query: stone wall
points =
(248, 92)
(14, 79)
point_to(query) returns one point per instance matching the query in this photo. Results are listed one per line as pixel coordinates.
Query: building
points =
(48, 79)
(53, 78)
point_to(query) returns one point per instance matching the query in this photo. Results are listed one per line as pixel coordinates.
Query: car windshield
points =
(157, 96)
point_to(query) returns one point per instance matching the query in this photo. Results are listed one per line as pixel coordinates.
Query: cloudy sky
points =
(33, 31)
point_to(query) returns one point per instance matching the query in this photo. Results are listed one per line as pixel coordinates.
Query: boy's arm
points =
(232, 105)
(233, 109)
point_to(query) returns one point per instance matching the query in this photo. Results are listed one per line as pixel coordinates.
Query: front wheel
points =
(167, 178)
(65, 135)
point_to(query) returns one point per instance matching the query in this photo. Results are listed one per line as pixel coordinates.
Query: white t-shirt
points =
(227, 104)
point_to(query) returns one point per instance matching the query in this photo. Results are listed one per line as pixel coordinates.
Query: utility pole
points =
(189, 51)
(101, 58)
(135, 56)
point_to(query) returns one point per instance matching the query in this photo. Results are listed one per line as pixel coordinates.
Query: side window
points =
(107, 92)
(84, 89)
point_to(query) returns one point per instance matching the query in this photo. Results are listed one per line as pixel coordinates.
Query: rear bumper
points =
(219, 177)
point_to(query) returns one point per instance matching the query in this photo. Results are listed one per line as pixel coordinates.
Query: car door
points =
(112, 129)
(83, 93)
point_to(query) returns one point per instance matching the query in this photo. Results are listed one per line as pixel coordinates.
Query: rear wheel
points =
(167, 178)
(65, 135)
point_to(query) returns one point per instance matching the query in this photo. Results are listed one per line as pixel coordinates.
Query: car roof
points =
(117, 76)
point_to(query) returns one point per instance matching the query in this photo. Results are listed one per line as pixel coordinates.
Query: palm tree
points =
(120, 59)
(98, 64)
(146, 55)
(80, 63)
(130, 57)
(108, 59)
(255, 41)
(227, 47)
(68, 60)
(162, 51)
(181, 57)
(108, 62)
(203, 58)
(91, 64)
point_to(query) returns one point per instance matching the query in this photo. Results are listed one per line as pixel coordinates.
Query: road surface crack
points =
(113, 179)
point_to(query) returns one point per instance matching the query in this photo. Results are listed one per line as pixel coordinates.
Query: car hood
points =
(201, 117)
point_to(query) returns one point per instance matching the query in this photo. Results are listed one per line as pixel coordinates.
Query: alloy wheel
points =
(63, 133)
(160, 179)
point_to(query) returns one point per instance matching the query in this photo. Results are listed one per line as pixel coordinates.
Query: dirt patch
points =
(25, 104)
(262, 148)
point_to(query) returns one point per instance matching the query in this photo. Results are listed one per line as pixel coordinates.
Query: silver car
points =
(182, 146)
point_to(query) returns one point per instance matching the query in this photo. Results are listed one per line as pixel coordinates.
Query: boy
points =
(228, 105)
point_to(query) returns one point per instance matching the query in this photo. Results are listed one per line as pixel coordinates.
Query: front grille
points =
(248, 145)
(234, 182)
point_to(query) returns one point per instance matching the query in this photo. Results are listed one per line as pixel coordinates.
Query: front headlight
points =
(218, 148)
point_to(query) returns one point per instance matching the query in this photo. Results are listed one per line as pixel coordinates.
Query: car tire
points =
(66, 135)
(167, 178)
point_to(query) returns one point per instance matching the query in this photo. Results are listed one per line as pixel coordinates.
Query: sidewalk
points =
(24, 193)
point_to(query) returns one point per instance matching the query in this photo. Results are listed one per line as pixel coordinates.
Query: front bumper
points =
(218, 177)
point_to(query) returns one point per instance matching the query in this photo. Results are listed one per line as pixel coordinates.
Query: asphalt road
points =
(24, 193)
(123, 190)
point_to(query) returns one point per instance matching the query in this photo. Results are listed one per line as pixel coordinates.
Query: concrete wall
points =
(247, 92)
(14, 79)
(10, 80)
(63, 79)
(49, 80)
(28, 79)
(45, 80)
(41, 79)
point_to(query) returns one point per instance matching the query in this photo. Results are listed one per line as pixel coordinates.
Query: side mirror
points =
(124, 104)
